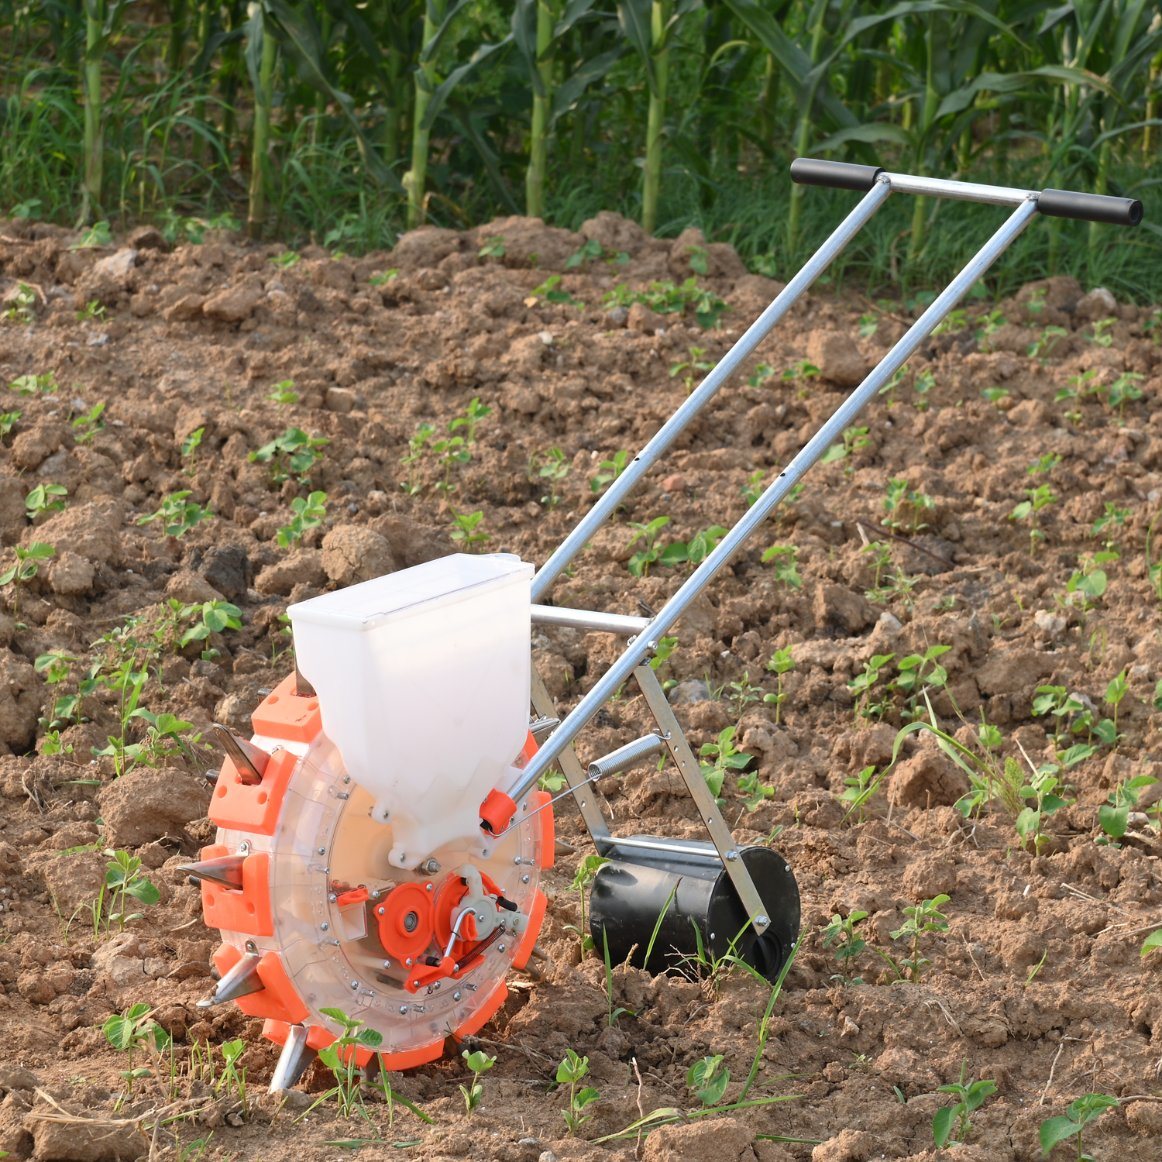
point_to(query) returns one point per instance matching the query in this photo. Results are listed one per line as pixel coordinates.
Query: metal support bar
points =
(691, 772)
(621, 623)
(705, 391)
(572, 769)
(644, 644)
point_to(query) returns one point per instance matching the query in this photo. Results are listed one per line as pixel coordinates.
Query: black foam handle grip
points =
(1090, 207)
(840, 175)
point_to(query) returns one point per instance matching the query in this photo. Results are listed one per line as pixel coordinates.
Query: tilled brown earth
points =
(205, 354)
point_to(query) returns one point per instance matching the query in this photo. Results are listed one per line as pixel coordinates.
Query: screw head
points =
(761, 919)
(732, 856)
(324, 926)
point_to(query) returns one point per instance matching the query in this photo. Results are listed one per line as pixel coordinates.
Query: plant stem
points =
(259, 159)
(655, 118)
(426, 80)
(542, 102)
(94, 145)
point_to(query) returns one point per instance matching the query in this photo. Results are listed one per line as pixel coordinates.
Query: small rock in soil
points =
(925, 780)
(720, 1140)
(234, 303)
(847, 1146)
(353, 553)
(16, 1077)
(839, 360)
(304, 566)
(191, 588)
(73, 881)
(837, 607)
(19, 703)
(70, 574)
(89, 530)
(146, 804)
(83, 1139)
(688, 692)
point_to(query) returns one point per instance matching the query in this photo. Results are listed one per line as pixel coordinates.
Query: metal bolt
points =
(409, 962)
(354, 984)
(429, 867)
(403, 1010)
(411, 922)
(244, 847)
(331, 897)
(500, 948)
(428, 886)
(324, 926)
(480, 917)
(251, 946)
(761, 919)
(322, 851)
(732, 856)
(381, 910)
(387, 964)
(456, 995)
(525, 879)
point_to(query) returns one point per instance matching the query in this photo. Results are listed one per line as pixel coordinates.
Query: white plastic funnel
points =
(423, 683)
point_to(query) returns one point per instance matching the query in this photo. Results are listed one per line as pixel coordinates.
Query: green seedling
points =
(849, 945)
(609, 470)
(551, 291)
(996, 395)
(590, 251)
(572, 1070)
(1039, 499)
(724, 756)
(1114, 517)
(858, 790)
(27, 385)
(707, 1079)
(131, 1031)
(283, 393)
(470, 420)
(21, 306)
(1100, 335)
(124, 886)
(27, 565)
(308, 513)
(94, 237)
(696, 549)
(417, 447)
(1042, 797)
(923, 382)
(742, 693)
(285, 260)
(922, 920)
(466, 530)
(952, 1124)
(550, 468)
(479, 1062)
(493, 247)
(802, 369)
(8, 422)
(692, 367)
(1088, 583)
(383, 277)
(1152, 943)
(612, 1012)
(905, 507)
(233, 1078)
(1113, 816)
(863, 686)
(43, 498)
(205, 618)
(783, 560)
(341, 1057)
(753, 790)
(781, 663)
(760, 375)
(1046, 342)
(670, 298)
(189, 449)
(92, 312)
(294, 453)
(854, 440)
(178, 514)
(587, 869)
(1124, 390)
(87, 425)
(1072, 1123)
(917, 674)
(647, 534)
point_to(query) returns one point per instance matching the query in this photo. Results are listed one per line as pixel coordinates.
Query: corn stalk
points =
(261, 57)
(649, 25)
(97, 16)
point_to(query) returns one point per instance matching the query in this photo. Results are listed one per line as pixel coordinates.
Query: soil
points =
(1037, 982)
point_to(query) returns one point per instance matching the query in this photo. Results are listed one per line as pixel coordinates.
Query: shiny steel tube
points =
(588, 619)
(640, 648)
(705, 391)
